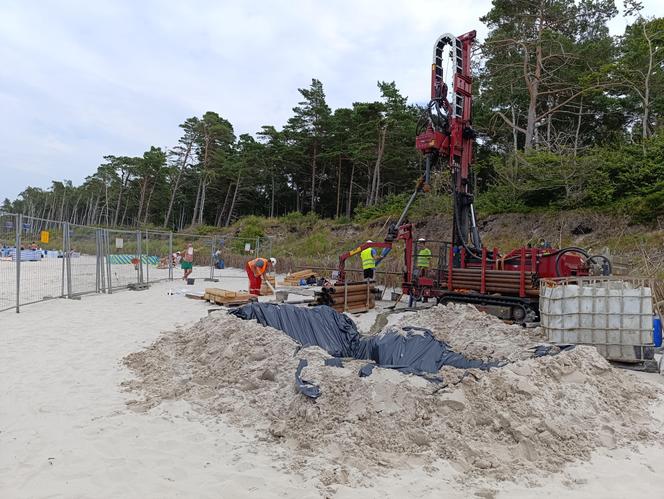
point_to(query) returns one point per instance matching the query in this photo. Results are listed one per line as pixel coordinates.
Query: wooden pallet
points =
(226, 297)
(293, 279)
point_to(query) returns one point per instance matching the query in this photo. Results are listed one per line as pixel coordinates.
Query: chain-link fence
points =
(8, 277)
(123, 257)
(43, 259)
(158, 258)
(83, 252)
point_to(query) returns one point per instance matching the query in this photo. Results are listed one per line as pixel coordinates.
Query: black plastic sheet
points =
(410, 350)
(305, 387)
(318, 326)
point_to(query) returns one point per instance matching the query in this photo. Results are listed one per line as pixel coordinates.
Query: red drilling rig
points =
(467, 271)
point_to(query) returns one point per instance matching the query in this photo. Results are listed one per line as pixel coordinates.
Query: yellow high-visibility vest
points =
(424, 258)
(368, 261)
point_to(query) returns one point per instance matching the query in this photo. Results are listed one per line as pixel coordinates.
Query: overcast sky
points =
(82, 79)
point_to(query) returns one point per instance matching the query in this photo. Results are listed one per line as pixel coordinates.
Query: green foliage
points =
(389, 206)
(298, 221)
(647, 209)
(204, 230)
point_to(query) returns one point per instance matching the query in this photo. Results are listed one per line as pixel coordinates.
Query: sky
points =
(81, 79)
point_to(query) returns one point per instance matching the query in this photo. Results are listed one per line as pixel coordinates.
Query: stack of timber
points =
(265, 289)
(352, 297)
(497, 281)
(294, 278)
(227, 298)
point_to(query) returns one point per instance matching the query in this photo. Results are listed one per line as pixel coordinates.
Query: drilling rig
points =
(467, 271)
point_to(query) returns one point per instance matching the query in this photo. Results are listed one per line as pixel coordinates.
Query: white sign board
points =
(119, 243)
(247, 247)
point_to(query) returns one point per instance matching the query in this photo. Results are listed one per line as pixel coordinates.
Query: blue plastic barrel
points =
(657, 330)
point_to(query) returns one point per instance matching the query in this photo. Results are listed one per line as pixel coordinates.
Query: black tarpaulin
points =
(318, 326)
(414, 350)
(411, 350)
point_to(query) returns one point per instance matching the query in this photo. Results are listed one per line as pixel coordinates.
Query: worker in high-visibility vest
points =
(423, 257)
(255, 269)
(369, 257)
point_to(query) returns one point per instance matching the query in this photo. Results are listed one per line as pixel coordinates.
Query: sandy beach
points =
(66, 429)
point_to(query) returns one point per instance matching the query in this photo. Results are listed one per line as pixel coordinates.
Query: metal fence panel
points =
(83, 253)
(157, 256)
(123, 257)
(58, 259)
(8, 232)
(42, 260)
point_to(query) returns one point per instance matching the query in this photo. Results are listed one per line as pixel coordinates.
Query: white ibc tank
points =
(613, 315)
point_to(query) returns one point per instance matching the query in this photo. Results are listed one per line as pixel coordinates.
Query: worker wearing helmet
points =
(423, 257)
(369, 257)
(255, 269)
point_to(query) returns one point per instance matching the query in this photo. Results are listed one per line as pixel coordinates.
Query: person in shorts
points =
(187, 262)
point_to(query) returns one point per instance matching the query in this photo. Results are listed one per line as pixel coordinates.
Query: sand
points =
(518, 422)
(76, 422)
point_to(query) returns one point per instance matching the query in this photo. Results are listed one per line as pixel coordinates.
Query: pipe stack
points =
(351, 297)
(497, 281)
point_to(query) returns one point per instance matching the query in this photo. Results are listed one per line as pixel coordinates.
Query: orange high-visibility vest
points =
(258, 270)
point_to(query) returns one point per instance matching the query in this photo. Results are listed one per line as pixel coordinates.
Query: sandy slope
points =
(65, 430)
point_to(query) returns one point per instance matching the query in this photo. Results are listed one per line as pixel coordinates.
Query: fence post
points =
(19, 228)
(211, 259)
(107, 250)
(139, 236)
(258, 246)
(170, 256)
(64, 264)
(102, 260)
(97, 262)
(147, 257)
(68, 258)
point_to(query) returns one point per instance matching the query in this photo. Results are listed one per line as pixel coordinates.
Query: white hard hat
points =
(369, 241)
(421, 240)
(273, 261)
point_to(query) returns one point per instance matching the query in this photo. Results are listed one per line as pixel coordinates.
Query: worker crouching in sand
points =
(255, 269)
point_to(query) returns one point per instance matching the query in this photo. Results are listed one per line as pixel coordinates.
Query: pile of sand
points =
(530, 417)
(476, 334)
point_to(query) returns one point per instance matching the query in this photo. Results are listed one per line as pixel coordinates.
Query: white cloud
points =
(83, 79)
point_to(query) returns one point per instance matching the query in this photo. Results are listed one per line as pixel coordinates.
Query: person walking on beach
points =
(187, 262)
(255, 269)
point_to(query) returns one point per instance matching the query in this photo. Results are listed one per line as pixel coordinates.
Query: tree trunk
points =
(198, 197)
(72, 216)
(147, 205)
(230, 211)
(174, 190)
(313, 178)
(117, 206)
(338, 188)
(222, 208)
(578, 127)
(375, 183)
(124, 214)
(202, 206)
(141, 201)
(272, 199)
(349, 203)
(646, 88)
(533, 87)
